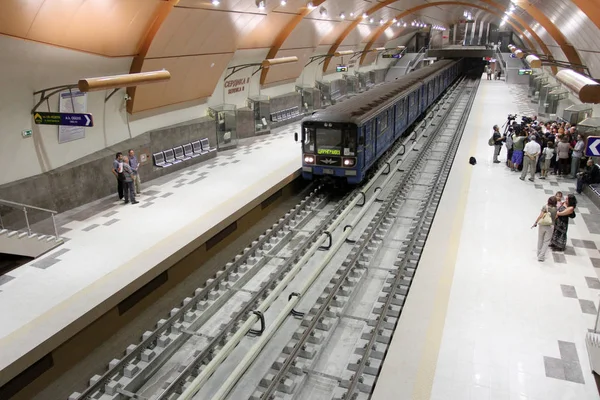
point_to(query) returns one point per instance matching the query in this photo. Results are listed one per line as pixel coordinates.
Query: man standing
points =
(532, 151)
(133, 163)
(117, 171)
(497, 138)
(576, 156)
(129, 191)
(509, 147)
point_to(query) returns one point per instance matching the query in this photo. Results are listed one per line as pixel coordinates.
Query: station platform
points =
(484, 319)
(113, 249)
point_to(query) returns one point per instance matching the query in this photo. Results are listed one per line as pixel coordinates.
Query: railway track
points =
(205, 344)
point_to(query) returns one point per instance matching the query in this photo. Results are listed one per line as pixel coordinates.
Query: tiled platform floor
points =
(489, 321)
(109, 244)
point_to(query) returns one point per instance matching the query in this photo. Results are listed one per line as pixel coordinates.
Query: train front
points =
(330, 149)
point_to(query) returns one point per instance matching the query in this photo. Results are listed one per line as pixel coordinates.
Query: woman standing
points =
(545, 224)
(565, 211)
(547, 153)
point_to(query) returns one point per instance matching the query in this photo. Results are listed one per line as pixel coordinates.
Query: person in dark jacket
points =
(589, 176)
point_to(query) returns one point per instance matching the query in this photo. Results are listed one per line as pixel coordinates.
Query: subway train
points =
(344, 142)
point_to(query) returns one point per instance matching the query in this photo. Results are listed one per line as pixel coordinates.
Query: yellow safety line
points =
(433, 339)
(18, 334)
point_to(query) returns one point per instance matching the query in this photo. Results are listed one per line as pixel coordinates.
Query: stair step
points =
(3, 231)
(41, 237)
(22, 235)
(12, 233)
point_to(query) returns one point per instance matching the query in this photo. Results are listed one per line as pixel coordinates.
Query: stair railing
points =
(418, 58)
(25, 208)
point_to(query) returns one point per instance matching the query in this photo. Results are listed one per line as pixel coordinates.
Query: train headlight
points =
(348, 162)
(309, 159)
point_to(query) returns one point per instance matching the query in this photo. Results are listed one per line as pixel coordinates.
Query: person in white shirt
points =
(576, 156)
(531, 152)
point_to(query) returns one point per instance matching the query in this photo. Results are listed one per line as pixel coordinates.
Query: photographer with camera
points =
(496, 141)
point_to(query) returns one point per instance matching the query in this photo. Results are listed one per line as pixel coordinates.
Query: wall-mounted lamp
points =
(379, 49)
(519, 53)
(283, 3)
(343, 53)
(342, 16)
(120, 81)
(371, 20)
(533, 61)
(311, 6)
(586, 89)
(365, 16)
(351, 14)
(215, 2)
(381, 21)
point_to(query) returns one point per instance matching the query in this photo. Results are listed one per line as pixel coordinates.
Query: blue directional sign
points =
(592, 148)
(513, 56)
(67, 119)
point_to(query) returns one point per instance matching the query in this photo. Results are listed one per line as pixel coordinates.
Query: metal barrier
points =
(25, 208)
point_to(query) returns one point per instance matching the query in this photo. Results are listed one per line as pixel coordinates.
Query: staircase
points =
(19, 239)
(415, 61)
(398, 68)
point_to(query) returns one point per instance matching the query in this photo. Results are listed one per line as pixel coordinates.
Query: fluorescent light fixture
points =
(379, 48)
(215, 2)
(276, 61)
(343, 16)
(343, 53)
(120, 81)
(283, 2)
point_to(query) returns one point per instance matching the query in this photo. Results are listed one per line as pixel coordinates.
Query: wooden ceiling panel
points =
(198, 31)
(107, 27)
(192, 78)
(289, 71)
(262, 35)
(17, 16)
(333, 34)
(309, 33)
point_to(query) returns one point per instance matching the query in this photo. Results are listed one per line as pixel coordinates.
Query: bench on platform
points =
(179, 154)
(286, 114)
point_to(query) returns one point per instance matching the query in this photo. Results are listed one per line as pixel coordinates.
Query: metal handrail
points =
(24, 208)
(415, 60)
(18, 205)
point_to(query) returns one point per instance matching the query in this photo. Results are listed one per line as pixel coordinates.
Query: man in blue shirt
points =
(117, 170)
(133, 163)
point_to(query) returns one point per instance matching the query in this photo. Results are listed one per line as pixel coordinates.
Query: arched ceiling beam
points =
(405, 13)
(283, 35)
(492, 3)
(556, 34)
(591, 8)
(138, 61)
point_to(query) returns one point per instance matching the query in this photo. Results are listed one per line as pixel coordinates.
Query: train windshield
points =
(328, 141)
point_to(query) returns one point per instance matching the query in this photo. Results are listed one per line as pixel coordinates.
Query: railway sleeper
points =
(372, 366)
(315, 337)
(383, 337)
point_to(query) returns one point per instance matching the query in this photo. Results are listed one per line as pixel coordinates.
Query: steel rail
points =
(99, 385)
(439, 185)
(315, 318)
(252, 353)
(205, 374)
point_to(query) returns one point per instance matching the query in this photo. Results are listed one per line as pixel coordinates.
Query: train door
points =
(370, 132)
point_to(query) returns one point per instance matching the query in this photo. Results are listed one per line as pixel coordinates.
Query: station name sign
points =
(236, 85)
(392, 55)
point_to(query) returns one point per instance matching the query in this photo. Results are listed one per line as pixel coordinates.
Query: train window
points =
(383, 122)
(329, 141)
(349, 143)
(309, 140)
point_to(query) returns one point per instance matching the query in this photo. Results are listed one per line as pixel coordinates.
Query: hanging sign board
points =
(74, 118)
(341, 68)
(592, 148)
(63, 119)
(525, 72)
(236, 85)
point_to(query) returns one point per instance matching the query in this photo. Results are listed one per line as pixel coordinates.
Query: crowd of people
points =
(126, 170)
(554, 148)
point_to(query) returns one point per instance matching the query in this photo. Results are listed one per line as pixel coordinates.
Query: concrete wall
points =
(90, 178)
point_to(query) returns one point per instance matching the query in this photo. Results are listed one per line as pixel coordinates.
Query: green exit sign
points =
(27, 133)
